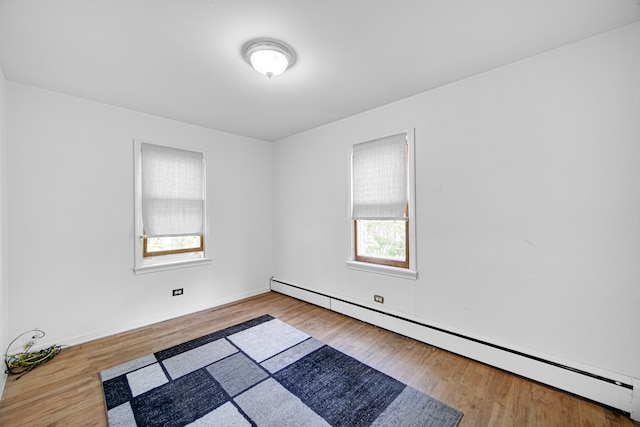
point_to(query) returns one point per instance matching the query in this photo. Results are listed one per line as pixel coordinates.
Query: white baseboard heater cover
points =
(610, 389)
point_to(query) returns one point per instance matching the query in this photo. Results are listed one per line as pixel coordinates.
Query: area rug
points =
(263, 372)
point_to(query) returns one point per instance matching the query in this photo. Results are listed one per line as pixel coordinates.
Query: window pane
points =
(382, 239)
(162, 244)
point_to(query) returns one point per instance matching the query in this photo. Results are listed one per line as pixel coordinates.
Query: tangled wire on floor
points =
(23, 362)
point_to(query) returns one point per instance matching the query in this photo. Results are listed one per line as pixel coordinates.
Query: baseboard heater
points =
(608, 388)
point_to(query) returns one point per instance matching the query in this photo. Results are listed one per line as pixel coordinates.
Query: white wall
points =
(4, 283)
(528, 204)
(71, 218)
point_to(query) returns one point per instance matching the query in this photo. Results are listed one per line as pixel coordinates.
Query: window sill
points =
(152, 268)
(403, 273)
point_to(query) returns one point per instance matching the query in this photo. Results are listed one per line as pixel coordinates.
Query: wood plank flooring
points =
(67, 392)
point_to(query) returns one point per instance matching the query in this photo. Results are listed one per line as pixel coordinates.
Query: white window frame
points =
(164, 262)
(405, 273)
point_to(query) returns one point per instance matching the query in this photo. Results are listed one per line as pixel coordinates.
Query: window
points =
(381, 206)
(170, 207)
(158, 246)
(384, 242)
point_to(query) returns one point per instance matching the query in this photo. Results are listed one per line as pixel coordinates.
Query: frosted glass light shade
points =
(269, 62)
(269, 57)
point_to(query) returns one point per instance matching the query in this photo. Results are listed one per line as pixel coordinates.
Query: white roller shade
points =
(379, 186)
(172, 191)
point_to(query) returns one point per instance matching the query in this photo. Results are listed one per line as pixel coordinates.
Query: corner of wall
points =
(3, 381)
(4, 281)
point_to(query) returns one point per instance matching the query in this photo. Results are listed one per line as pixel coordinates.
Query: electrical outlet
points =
(378, 298)
(177, 292)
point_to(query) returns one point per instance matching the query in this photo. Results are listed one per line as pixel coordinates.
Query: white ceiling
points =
(181, 59)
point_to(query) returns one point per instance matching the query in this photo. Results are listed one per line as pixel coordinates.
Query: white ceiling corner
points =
(181, 59)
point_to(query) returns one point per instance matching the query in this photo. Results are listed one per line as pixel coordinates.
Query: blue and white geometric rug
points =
(263, 372)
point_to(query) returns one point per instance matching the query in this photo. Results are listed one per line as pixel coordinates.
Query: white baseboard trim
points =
(81, 339)
(608, 388)
(635, 400)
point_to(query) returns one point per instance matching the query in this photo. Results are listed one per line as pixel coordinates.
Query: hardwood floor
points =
(67, 392)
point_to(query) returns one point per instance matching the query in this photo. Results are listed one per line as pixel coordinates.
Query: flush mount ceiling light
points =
(269, 57)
